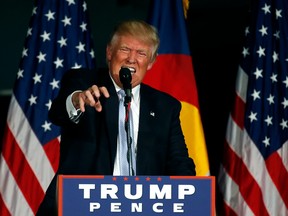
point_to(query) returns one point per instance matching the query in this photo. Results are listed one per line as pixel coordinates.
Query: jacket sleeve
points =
(179, 162)
(161, 147)
(73, 80)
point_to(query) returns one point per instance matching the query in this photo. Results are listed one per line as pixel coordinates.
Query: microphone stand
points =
(127, 104)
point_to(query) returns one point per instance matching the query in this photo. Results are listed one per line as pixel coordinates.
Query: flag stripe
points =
(3, 211)
(284, 151)
(30, 146)
(10, 192)
(182, 75)
(197, 152)
(234, 161)
(52, 150)
(238, 205)
(240, 98)
(241, 84)
(274, 173)
(16, 161)
(238, 112)
(230, 212)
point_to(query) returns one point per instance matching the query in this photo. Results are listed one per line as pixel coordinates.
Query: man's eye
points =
(142, 54)
(124, 49)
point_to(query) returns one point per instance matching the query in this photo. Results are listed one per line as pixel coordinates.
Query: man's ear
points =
(108, 52)
(151, 64)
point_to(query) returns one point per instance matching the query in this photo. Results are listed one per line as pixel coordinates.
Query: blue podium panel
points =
(135, 195)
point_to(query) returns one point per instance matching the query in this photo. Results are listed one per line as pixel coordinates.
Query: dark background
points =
(215, 28)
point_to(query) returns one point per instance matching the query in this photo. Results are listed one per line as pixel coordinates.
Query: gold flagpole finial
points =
(185, 7)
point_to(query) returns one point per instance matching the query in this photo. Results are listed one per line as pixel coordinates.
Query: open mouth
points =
(132, 70)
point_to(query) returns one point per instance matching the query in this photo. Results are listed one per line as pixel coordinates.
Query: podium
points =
(80, 195)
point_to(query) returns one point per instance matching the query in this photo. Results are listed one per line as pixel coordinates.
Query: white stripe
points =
(10, 192)
(283, 153)
(29, 144)
(244, 147)
(231, 195)
(241, 84)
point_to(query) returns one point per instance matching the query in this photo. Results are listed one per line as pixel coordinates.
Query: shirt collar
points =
(135, 90)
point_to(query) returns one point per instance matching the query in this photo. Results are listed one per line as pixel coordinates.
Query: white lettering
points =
(165, 192)
(86, 189)
(115, 207)
(138, 192)
(109, 189)
(136, 207)
(178, 207)
(184, 190)
(94, 206)
(156, 209)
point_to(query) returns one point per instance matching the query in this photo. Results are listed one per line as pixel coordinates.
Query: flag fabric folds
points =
(173, 73)
(254, 172)
(58, 38)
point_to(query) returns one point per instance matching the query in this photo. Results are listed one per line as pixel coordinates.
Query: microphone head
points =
(125, 77)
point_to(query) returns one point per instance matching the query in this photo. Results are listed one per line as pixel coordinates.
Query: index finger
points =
(104, 91)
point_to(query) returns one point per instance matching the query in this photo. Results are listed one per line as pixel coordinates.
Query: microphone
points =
(125, 78)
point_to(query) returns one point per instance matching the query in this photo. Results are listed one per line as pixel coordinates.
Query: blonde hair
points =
(139, 29)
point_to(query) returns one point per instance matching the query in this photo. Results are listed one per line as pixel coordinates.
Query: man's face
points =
(132, 53)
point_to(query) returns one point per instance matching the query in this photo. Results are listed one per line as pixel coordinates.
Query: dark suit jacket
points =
(89, 147)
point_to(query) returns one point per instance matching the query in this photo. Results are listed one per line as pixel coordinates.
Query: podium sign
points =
(135, 195)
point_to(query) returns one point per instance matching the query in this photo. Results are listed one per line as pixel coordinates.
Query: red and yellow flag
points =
(173, 73)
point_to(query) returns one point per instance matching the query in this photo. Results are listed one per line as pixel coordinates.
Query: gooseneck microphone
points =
(125, 78)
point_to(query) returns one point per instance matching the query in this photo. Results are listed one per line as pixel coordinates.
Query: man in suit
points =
(87, 111)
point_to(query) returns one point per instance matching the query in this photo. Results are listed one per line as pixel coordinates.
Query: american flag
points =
(253, 177)
(58, 38)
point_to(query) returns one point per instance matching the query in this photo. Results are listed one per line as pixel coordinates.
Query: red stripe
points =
(279, 175)
(248, 187)
(3, 210)
(238, 112)
(22, 172)
(174, 74)
(52, 150)
(228, 211)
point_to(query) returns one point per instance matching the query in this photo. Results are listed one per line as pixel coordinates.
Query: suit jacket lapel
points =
(146, 122)
(111, 115)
